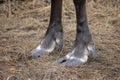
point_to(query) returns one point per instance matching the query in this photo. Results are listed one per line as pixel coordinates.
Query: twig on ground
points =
(9, 77)
(34, 10)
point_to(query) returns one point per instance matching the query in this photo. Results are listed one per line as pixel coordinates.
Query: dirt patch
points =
(23, 28)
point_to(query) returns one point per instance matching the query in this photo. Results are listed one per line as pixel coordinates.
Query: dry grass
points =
(23, 24)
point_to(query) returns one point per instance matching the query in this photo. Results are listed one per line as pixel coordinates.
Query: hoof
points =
(62, 59)
(78, 56)
(73, 62)
(43, 48)
(37, 53)
(52, 38)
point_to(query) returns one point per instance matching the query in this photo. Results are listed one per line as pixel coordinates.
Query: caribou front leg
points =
(83, 44)
(54, 32)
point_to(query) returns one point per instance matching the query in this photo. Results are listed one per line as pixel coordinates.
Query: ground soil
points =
(23, 25)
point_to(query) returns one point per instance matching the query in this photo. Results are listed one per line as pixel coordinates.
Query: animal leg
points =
(83, 44)
(54, 32)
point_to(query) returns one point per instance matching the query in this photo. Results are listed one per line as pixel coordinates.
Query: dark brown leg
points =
(54, 32)
(83, 44)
